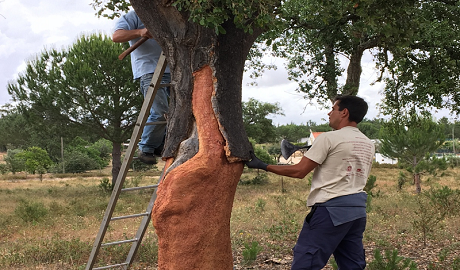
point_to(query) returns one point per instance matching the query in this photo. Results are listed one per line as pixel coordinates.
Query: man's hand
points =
(145, 33)
(256, 163)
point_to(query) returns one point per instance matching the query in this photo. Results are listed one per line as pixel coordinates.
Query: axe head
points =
(287, 148)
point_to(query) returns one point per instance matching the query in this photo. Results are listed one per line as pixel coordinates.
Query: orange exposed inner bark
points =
(193, 208)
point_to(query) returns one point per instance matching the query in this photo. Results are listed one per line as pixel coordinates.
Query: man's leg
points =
(317, 241)
(349, 254)
(152, 139)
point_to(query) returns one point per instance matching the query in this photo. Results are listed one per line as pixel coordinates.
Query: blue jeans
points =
(319, 239)
(153, 136)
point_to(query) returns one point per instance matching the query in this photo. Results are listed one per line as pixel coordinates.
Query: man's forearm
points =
(126, 35)
(299, 170)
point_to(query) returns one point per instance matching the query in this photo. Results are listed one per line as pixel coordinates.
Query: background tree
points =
(323, 41)
(425, 71)
(370, 128)
(85, 85)
(256, 123)
(292, 132)
(412, 141)
(36, 160)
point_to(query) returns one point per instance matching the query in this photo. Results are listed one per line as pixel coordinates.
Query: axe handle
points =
(132, 48)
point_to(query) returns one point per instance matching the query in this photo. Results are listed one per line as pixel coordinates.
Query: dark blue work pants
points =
(319, 239)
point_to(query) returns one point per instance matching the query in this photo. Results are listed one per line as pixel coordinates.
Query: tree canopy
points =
(256, 123)
(84, 85)
(414, 46)
(412, 141)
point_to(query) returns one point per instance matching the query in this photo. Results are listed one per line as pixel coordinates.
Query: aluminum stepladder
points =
(117, 189)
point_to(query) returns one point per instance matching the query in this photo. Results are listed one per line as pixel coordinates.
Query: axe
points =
(287, 148)
(132, 48)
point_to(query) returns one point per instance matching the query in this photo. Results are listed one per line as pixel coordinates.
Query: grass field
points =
(52, 224)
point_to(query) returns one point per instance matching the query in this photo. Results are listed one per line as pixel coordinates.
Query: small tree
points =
(256, 123)
(14, 164)
(36, 160)
(411, 141)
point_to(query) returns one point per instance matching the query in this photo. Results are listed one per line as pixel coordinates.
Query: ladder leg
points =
(143, 226)
(142, 118)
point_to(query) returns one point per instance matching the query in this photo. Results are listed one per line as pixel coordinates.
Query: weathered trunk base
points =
(193, 208)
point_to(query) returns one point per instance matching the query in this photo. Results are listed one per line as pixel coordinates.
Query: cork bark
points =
(194, 202)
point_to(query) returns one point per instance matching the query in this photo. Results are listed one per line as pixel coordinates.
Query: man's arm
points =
(121, 35)
(299, 170)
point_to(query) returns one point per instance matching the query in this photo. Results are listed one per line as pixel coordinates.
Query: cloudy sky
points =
(27, 27)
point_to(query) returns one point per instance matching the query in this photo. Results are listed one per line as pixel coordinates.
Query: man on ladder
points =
(144, 61)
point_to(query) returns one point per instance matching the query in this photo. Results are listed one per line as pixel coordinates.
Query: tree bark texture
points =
(205, 141)
(116, 161)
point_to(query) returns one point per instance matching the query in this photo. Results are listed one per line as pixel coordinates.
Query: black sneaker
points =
(147, 158)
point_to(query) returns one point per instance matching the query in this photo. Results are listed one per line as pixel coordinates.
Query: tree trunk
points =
(205, 141)
(116, 161)
(354, 71)
(418, 184)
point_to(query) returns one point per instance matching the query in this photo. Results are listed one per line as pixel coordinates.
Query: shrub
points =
(78, 162)
(105, 185)
(259, 179)
(391, 261)
(3, 169)
(15, 164)
(31, 211)
(250, 252)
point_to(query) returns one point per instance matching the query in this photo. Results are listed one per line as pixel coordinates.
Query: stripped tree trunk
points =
(206, 140)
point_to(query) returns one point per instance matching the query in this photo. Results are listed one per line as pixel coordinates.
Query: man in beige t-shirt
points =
(342, 161)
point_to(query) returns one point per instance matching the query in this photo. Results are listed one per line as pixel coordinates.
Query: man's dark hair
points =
(356, 106)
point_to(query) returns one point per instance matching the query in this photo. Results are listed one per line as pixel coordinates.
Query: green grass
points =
(52, 224)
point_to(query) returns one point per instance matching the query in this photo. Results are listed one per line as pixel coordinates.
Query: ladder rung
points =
(130, 216)
(110, 266)
(120, 242)
(155, 123)
(138, 188)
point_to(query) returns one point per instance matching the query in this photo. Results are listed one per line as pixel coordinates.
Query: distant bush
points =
(3, 168)
(31, 211)
(259, 179)
(15, 164)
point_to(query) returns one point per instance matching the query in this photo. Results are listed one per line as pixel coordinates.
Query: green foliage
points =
(83, 86)
(255, 120)
(390, 261)
(275, 151)
(293, 132)
(370, 185)
(433, 206)
(4, 168)
(15, 164)
(411, 141)
(263, 155)
(260, 205)
(99, 152)
(402, 179)
(445, 200)
(31, 211)
(36, 160)
(250, 251)
(370, 128)
(259, 179)
(78, 162)
(105, 185)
